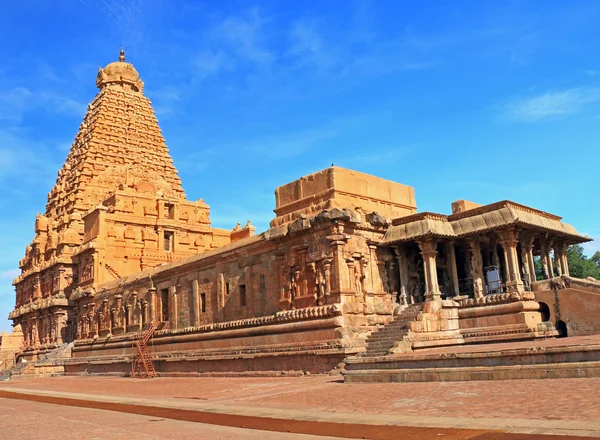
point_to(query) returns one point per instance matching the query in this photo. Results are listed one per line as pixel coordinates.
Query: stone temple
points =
(349, 276)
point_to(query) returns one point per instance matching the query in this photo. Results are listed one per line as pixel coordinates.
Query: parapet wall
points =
(341, 188)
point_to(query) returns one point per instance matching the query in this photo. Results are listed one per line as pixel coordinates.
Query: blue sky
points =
(461, 99)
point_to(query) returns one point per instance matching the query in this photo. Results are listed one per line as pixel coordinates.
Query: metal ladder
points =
(142, 364)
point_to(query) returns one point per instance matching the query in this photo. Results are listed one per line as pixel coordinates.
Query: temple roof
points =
(119, 143)
(480, 220)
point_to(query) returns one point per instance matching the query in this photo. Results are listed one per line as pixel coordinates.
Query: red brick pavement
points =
(555, 399)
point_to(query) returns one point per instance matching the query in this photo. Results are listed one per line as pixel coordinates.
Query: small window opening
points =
(203, 300)
(168, 241)
(227, 288)
(262, 283)
(169, 210)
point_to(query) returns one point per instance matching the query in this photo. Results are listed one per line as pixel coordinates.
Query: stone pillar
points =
(452, 269)
(196, 306)
(560, 256)
(565, 259)
(327, 269)
(284, 279)
(494, 249)
(527, 244)
(37, 288)
(152, 304)
(557, 258)
(129, 323)
(173, 306)
(429, 253)
(375, 284)
(509, 245)
(144, 312)
(365, 265)
(527, 259)
(545, 246)
(400, 252)
(35, 337)
(220, 297)
(302, 281)
(476, 267)
(351, 278)
(340, 281)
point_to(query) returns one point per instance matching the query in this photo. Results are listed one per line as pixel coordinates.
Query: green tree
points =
(581, 266)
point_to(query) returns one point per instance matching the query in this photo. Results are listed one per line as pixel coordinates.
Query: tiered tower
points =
(117, 207)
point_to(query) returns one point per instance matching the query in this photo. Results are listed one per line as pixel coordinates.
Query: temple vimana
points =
(125, 275)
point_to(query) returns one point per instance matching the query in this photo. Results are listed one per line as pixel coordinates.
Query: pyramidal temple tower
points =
(118, 139)
(117, 208)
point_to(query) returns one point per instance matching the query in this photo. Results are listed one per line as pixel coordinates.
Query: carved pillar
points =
(37, 288)
(284, 280)
(527, 245)
(35, 337)
(129, 317)
(509, 244)
(452, 266)
(400, 252)
(560, 257)
(565, 259)
(350, 273)
(327, 269)
(366, 279)
(546, 258)
(527, 277)
(173, 300)
(311, 279)
(220, 296)
(152, 304)
(302, 279)
(144, 312)
(476, 267)
(196, 307)
(429, 253)
(494, 249)
(340, 281)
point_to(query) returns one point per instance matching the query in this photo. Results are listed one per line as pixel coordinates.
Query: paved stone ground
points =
(549, 399)
(33, 421)
(560, 407)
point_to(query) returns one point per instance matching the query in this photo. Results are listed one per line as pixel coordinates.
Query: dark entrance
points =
(164, 303)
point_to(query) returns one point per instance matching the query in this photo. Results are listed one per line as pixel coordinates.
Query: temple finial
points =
(122, 55)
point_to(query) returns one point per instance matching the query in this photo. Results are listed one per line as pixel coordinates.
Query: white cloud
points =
(211, 63)
(14, 102)
(289, 145)
(10, 274)
(552, 104)
(592, 72)
(244, 36)
(590, 248)
(307, 47)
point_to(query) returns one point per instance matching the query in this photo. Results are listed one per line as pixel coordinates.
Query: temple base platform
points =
(535, 359)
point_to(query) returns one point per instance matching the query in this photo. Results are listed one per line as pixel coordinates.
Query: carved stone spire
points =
(119, 142)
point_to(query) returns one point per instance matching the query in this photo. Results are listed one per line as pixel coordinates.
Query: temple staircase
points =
(142, 364)
(382, 339)
(9, 364)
